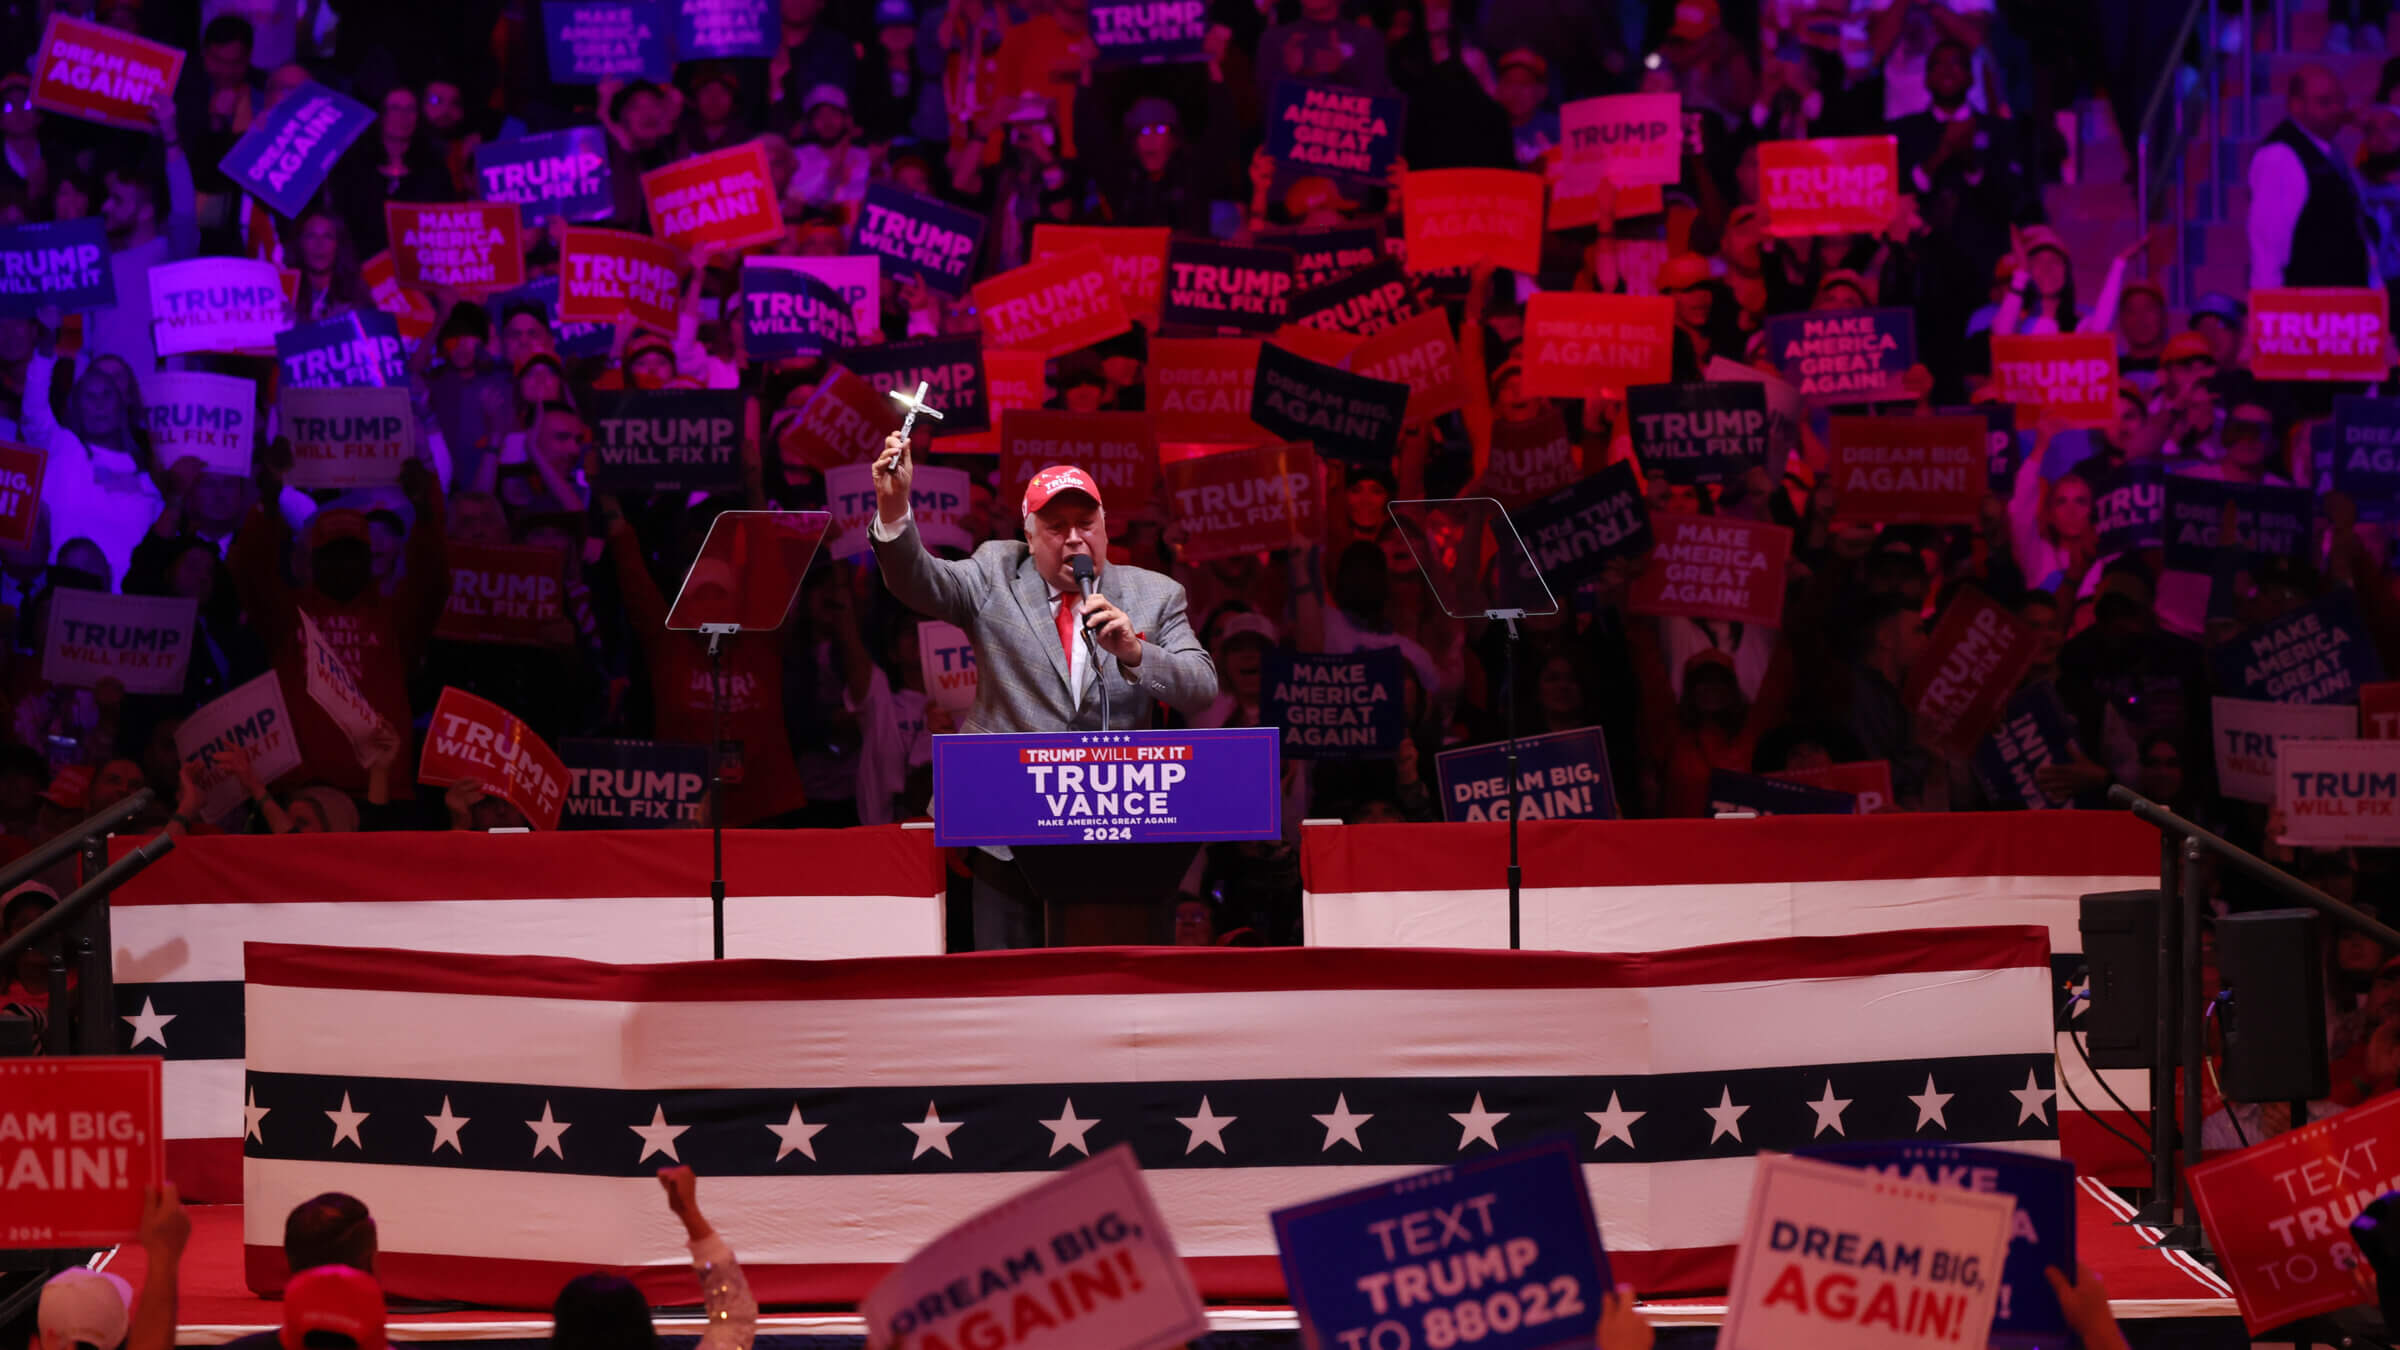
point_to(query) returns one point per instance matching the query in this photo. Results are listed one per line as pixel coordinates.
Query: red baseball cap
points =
(1056, 479)
(339, 1299)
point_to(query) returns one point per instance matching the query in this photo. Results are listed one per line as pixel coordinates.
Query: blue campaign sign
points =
(1574, 533)
(950, 368)
(1500, 1252)
(634, 785)
(2366, 455)
(62, 263)
(2316, 654)
(789, 312)
(1699, 432)
(1563, 776)
(2044, 1235)
(1132, 787)
(919, 237)
(1844, 356)
(2033, 731)
(1149, 32)
(725, 30)
(1730, 791)
(2129, 507)
(1335, 707)
(357, 350)
(2000, 433)
(2275, 522)
(557, 174)
(290, 148)
(595, 40)
(574, 339)
(1329, 129)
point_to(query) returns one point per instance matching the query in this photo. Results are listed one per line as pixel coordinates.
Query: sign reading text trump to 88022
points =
(1074, 787)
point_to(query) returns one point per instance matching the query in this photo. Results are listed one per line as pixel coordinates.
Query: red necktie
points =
(1066, 627)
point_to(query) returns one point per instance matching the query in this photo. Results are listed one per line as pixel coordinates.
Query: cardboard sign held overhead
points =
(603, 273)
(1420, 352)
(1458, 217)
(63, 263)
(1582, 345)
(1838, 185)
(249, 720)
(1149, 32)
(1627, 140)
(346, 438)
(193, 414)
(1235, 502)
(726, 197)
(1845, 355)
(1226, 287)
(1573, 534)
(844, 422)
(2339, 794)
(473, 247)
(1137, 259)
(1344, 416)
(946, 660)
(952, 369)
(1199, 389)
(470, 737)
(669, 439)
(2069, 379)
(594, 41)
(2320, 333)
(1714, 567)
(333, 687)
(554, 175)
(1970, 666)
(102, 74)
(1910, 469)
(216, 305)
(143, 642)
(1706, 432)
(291, 148)
(1346, 133)
(1054, 306)
(919, 237)
(357, 350)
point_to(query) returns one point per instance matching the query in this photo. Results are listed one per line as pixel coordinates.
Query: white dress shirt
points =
(2278, 191)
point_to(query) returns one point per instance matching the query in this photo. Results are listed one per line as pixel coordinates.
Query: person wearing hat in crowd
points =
(2221, 320)
(713, 116)
(83, 1309)
(2142, 331)
(1034, 174)
(1710, 66)
(1705, 311)
(1151, 175)
(465, 380)
(332, 1308)
(830, 167)
(898, 97)
(1522, 85)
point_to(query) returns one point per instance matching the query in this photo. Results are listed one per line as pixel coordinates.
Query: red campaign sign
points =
(2279, 1212)
(1419, 351)
(502, 594)
(20, 493)
(1011, 380)
(1458, 217)
(80, 1141)
(1578, 343)
(1530, 459)
(1910, 469)
(2068, 379)
(2320, 333)
(1118, 449)
(1714, 567)
(101, 74)
(1199, 389)
(602, 273)
(725, 197)
(1053, 306)
(1970, 666)
(470, 737)
(413, 311)
(844, 422)
(1247, 501)
(1137, 260)
(1868, 780)
(474, 247)
(1325, 347)
(1839, 185)
(2379, 711)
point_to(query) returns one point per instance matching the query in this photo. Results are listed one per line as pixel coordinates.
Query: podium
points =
(1101, 825)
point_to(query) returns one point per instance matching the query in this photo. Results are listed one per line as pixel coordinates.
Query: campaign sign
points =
(357, 350)
(1118, 449)
(1869, 781)
(102, 74)
(1699, 432)
(2366, 454)
(651, 440)
(604, 273)
(2067, 379)
(2379, 711)
(1329, 129)
(844, 422)
(1052, 307)
(1137, 259)
(2250, 734)
(21, 472)
(1836, 185)
(472, 247)
(1074, 787)
(788, 312)
(1235, 502)
(1579, 344)
(2033, 733)
(1334, 707)
(333, 687)
(541, 294)
(1729, 792)
(1420, 352)
(2338, 794)
(919, 237)
(1970, 666)
(591, 41)
(2041, 1235)
(950, 368)
(2129, 508)
(1091, 1263)
(634, 785)
(1832, 1255)
(723, 30)
(1344, 416)
(2273, 522)
(502, 594)
(1531, 458)
(143, 642)
(1573, 534)
(1458, 217)
(2320, 333)
(1844, 355)
(2315, 654)
(347, 437)
(1514, 1226)
(470, 737)
(1625, 140)
(946, 660)
(81, 1140)
(1149, 32)
(216, 305)
(1714, 567)
(249, 719)
(193, 414)
(1319, 256)
(2000, 442)
(62, 263)
(1369, 300)
(1199, 389)
(1560, 776)
(557, 175)
(1910, 469)
(936, 495)
(725, 197)
(410, 309)
(1225, 286)
(2278, 1212)
(290, 148)
(856, 277)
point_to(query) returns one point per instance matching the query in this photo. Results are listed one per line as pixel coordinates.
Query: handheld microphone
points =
(1086, 579)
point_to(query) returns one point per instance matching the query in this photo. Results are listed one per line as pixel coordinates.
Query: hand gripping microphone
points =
(1088, 581)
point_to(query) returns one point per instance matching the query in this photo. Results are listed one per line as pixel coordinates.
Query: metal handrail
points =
(110, 877)
(2177, 139)
(2256, 868)
(50, 851)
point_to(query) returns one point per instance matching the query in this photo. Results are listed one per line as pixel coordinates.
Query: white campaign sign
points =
(947, 656)
(143, 642)
(333, 688)
(217, 305)
(251, 719)
(2335, 794)
(199, 415)
(2249, 730)
(938, 497)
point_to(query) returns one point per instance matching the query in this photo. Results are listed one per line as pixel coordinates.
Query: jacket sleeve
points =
(1175, 669)
(944, 589)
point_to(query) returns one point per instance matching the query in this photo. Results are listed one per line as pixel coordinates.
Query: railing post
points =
(96, 1008)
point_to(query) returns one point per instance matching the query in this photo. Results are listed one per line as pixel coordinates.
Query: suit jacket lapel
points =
(1033, 596)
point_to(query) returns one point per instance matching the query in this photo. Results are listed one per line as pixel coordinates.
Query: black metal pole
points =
(1508, 694)
(2160, 1212)
(716, 793)
(2186, 1232)
(38, 861)
(2256, 868)
(71, 908)
(95, 954)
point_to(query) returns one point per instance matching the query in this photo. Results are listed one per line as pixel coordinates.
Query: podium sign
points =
(1114, 787)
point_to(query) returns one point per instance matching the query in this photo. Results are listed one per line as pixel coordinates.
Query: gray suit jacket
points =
(1003, 604)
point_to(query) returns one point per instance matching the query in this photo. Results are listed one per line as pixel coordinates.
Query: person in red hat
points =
(332, 1308)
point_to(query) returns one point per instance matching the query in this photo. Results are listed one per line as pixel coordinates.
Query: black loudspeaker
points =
(2274, 1013)
(2120, 948)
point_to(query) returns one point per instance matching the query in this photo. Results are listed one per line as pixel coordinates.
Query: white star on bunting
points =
(1068, 1132)
(148, 1025)
(933, 1133)
(658, 1136)
(2033, 1100)
(1930, 1104)
(445, 1129)
(1207, 1128)
(252, 1114)
(1615, 1123)
(1829, 1110)
(1341, 1127)
(796, 1136)
(1725, 1118)
(1476, 1123)
(546, 1132)
(345, 1124)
